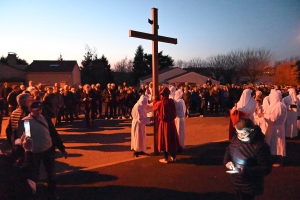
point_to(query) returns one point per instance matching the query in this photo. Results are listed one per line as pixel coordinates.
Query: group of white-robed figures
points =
(276, 116)
(141, 113)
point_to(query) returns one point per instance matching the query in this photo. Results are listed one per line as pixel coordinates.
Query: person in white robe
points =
(138, 126)
(292, 103)
(266, 103)
(179, 120)
(246, 104)
(260, 121)
(275, 134)
(172, 92)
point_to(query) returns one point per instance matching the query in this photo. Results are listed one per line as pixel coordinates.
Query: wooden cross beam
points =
(155, 39)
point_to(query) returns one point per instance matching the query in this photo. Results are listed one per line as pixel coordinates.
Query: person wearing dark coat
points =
(12, 98)
(89, 104)
(2, 106)
(4, 93)
(50, 105)
(69, 102)
(248, 159)
(107, 101)
(187, 98)
(98, 92)
(120, 94)
(214, 100)
(129, 101)
(206, 97)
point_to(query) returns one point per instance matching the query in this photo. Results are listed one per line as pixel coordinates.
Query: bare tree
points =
(60, 58)
(124, 65)
(179, 63)
(254, 63)
(197, 63)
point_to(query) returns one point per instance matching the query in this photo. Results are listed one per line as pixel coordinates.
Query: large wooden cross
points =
(155, 39)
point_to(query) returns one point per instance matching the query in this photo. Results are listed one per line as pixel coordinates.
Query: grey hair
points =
(21, 99)
(86, 85)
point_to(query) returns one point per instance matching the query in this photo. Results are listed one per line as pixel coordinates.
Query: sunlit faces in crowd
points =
(49, 90)
(86, 88)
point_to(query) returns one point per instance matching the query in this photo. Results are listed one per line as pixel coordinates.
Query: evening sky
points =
(42, 30)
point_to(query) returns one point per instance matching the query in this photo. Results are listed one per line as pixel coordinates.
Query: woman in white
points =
(179, 120)
(275, 134)
(138, 126)
(246, 104)
(291, 102)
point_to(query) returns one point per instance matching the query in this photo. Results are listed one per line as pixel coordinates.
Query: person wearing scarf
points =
(248, 159)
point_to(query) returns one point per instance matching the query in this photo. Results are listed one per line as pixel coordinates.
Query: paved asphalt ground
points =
(101, 165)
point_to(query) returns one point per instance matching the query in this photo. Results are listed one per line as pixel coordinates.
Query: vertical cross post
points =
(155, 39)
(155, 71)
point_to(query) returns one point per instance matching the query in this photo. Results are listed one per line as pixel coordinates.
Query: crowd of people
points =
(270, 114)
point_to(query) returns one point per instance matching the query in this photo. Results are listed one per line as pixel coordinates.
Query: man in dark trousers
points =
(46, 139)
(69, 102)
(51, 105)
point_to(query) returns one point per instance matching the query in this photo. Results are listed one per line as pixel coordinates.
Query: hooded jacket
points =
(255, 157)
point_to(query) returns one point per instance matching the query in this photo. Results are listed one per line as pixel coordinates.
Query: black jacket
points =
(255, 157)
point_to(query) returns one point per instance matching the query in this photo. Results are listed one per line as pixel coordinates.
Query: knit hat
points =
(36, 105)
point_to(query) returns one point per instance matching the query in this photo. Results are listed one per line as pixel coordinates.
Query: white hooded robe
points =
(292, 115)
(247, 104)
(138, 126)
(179, 120)
(276, 117)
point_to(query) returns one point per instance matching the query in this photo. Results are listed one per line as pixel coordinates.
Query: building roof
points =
(51, 66)
(159, 72)
(163, 75)
(191, 77)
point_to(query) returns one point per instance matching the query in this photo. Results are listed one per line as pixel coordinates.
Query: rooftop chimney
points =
(12, 59)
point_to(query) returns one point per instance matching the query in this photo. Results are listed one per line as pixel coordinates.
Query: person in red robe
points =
(168, 141)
